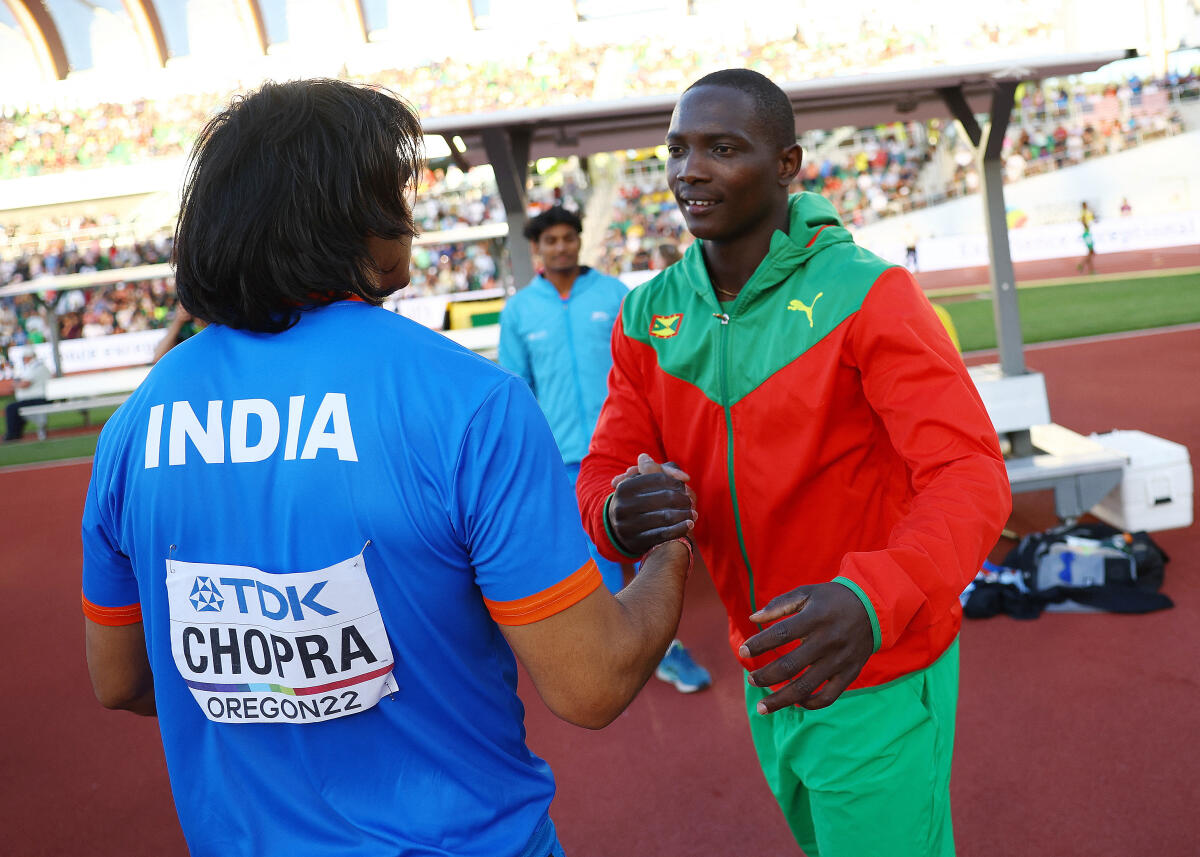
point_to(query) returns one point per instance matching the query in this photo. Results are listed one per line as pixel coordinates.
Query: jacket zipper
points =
(723, 360)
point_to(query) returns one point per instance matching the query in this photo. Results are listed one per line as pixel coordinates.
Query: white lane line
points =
(1087, 340)
(45, 465)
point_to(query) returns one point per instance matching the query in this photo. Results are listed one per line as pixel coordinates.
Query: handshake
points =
(651, 504)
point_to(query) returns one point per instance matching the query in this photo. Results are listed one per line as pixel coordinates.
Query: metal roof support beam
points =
(1004, 291)
(358, 19)
(456, 154)
(1003, 100)
(991, 171)
(508, 152)
(50, 316)
(956, 103)
(40, 30)
(251, 15)
(1005, 310)
(149, 30)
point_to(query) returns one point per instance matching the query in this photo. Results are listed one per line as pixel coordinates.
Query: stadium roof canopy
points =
(862, 101)
(52, 39)
(510, 140)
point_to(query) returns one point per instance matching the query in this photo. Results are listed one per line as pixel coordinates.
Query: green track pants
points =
(869, 776)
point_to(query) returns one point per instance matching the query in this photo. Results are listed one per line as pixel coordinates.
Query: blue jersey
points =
(561, 347)
(321, 529)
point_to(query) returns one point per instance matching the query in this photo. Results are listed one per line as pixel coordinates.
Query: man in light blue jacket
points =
(555, 333)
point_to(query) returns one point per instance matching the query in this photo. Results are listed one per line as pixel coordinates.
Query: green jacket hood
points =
(775, 317)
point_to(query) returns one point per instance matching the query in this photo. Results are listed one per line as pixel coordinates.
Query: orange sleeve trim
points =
(130, 614)
(560, 596)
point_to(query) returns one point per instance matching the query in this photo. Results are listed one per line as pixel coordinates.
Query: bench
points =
(84, 393)
(1080, 470)
(38, 414)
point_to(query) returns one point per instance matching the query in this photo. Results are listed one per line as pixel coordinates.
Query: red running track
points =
(1076, 733)
(1133, 262)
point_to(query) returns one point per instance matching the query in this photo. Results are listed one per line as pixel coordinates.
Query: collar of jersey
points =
(814, 226)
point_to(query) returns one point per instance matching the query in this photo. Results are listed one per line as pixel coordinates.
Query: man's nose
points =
(689, 169)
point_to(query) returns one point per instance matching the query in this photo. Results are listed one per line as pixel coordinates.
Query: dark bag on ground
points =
(1084, 567)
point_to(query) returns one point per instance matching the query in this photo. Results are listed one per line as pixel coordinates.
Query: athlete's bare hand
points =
(836, 635)
(651, 504)
(671, 469)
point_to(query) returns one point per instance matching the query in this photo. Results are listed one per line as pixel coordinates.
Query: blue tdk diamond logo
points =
(206, 597)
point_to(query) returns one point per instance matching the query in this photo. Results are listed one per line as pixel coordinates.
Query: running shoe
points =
(678, 668)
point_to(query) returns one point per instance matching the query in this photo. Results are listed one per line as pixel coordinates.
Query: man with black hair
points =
(848, 481)
(555, 333)
(317, 533)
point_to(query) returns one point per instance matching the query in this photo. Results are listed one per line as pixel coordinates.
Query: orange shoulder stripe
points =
(130, 614)
(560, 596)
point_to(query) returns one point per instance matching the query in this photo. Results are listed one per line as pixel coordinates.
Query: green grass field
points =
(1049, 311)
(1082, 308)
(64, 438)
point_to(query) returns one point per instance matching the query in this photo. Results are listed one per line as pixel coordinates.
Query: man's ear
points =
(789, 164)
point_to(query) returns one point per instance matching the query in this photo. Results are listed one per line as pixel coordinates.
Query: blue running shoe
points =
(678, 668)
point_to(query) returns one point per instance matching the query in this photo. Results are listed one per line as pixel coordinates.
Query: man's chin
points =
(704, 229)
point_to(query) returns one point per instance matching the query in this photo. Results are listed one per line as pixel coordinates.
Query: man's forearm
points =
(139, 701)
(143, 704)
(590, 660)
(119, 667)
(650, 608)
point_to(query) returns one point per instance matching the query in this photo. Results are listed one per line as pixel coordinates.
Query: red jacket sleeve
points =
(626, 428)
(915, 381)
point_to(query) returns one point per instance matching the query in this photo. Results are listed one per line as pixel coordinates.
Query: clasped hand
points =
(651, 504)
(835, 635)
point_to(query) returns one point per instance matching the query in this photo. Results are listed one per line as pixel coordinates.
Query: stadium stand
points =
(869, 173)
(874, 173)
(38, 141)
(117, 308)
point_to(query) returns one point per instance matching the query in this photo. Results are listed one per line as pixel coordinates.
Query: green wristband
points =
(876, 637)
(612, 537)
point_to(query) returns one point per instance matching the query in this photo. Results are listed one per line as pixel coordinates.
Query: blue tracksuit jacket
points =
(562, 350)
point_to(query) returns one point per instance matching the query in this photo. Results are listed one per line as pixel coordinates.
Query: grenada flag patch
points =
(665, 326)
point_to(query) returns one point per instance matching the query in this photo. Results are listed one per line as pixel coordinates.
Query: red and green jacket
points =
(830, 430)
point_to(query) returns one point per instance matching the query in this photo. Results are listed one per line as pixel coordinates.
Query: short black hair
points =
(772, 107)
(551, 217)
(283, 188)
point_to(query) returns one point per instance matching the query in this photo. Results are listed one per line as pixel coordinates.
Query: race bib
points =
(301, 647)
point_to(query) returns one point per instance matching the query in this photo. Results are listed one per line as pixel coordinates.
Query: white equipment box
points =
(1156, 489)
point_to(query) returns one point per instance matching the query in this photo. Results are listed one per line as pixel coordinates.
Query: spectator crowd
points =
(867, 175)
(119, 308)
(34, 142)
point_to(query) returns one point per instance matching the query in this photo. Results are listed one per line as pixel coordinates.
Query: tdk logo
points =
(206, 597)
(255, 596)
